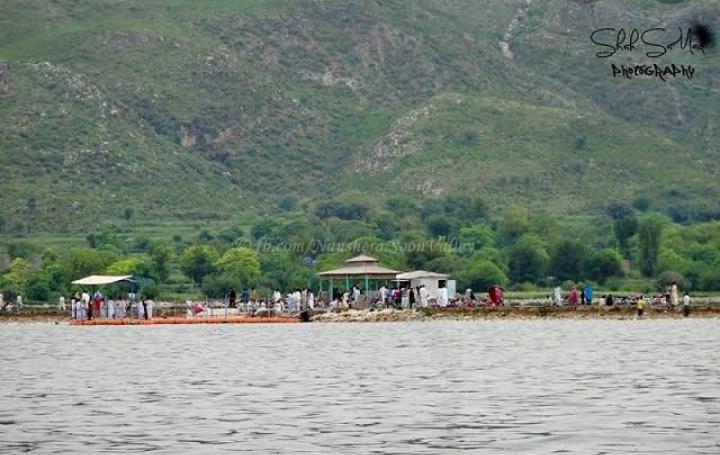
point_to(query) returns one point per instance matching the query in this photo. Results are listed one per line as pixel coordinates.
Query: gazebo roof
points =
(360, 266)
(361, 258)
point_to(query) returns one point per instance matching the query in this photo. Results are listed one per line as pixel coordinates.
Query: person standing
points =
(588, 294)
(686, 305)
(573, 298)
(18, 302)
(290, 303)
(149, 305)
(423, 296)
(355, 296)
(232, 297)
(89, 310)
(311, 300)
(444, 297)
(492, 295)
(674, 294)
(297, 295)
(558, 296)
(111, 309)
(582, 295)
(2, 302)
(640, 306)
(382, 294)
(141, 309)
(61, 304)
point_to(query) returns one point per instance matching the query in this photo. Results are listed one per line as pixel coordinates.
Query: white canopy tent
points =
(99, 280)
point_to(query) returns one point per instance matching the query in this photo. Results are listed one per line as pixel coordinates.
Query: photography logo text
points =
(652, 44)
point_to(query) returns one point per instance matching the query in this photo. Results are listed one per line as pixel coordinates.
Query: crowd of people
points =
(85, 307)
(299, 300)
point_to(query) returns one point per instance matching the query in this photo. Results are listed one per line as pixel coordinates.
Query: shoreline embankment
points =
(515, 311)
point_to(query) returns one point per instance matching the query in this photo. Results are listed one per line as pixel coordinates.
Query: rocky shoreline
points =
(547, 312)
(619, 312)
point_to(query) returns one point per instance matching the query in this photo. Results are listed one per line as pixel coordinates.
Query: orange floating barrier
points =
(200, 320)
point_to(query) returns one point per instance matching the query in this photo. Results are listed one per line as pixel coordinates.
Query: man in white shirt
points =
(111, 309)
(383, 295)
(298, 300)
(423, 296)
(61, 304)
(444, 297)
(686, 305)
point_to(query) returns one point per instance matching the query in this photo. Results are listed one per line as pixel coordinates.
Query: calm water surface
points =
(534, 387)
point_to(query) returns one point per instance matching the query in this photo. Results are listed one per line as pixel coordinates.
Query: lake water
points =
(535, 387)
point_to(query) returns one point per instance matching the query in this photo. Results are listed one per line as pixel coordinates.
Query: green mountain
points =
(183, 110)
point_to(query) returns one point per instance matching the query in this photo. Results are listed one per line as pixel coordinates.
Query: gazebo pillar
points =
(367, 286)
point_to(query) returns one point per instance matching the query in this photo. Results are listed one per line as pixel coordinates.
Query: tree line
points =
(622, 249)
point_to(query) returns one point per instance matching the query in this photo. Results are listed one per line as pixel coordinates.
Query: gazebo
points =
(358, 268)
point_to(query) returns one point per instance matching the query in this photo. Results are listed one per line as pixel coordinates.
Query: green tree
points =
(528, 259)
(198, 261)
(464, 207)
(625, 225)
(128, 213)
(18, 273)
(483, 274)
(85, 261)
(38, 287)
(162, 254)
(514, 224)
(567, 260)
(264, 227)
(138, 266)
(604, 264)
(650, 231)
(475, 237)
(710, 279)
(439, 225)
(241, 265)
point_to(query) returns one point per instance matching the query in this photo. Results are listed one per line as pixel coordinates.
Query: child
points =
(640, 306)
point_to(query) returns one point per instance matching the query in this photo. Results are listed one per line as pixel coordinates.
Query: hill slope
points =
(194, 111)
